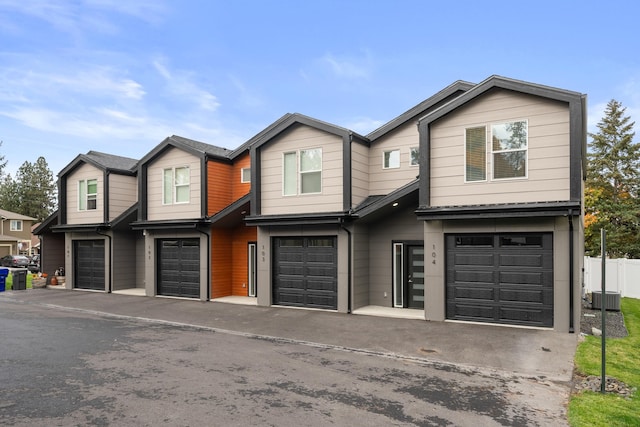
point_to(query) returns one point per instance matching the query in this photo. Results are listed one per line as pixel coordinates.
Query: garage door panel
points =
(470, 259)
(179, 267)
(472, 292)
(305, 272)
(517, 289)
(89, 271)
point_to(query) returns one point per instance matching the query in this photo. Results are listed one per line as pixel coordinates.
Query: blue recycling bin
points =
(4, 272)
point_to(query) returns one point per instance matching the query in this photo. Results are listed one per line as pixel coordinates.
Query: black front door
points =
(415, 277)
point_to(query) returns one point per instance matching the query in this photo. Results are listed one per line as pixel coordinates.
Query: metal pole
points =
(603, 308)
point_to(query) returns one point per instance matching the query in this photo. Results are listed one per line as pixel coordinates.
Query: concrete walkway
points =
(528, 352)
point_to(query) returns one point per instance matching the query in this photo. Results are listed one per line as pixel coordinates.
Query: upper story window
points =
(475, 156)
(509, 143)
(245, 175)
(175, 188)
(15, 225)
(302, 172)
(87, 194)
(391, 159)
(415, 156)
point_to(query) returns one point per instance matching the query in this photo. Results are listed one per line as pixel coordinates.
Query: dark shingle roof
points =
(201, 146)
(110, 161)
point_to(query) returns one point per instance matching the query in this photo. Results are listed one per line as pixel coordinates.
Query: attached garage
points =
(179, 267)
(89, 265)
(305, 272)
(500, 278)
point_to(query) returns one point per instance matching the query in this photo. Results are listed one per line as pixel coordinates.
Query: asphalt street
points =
(62, 366)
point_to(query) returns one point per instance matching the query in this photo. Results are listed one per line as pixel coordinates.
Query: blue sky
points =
(119, 76)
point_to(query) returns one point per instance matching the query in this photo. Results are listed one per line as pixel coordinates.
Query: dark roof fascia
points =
(289, 120)
(46, 223)
(80, 228)
(123, 220)
(524, 210)
(170, 224)
(87, 158)
(418, 110)
(299, 219)
(502, 83)
(232, 208)
(390, 198)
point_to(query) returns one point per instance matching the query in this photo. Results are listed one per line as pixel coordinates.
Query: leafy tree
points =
(612, 190)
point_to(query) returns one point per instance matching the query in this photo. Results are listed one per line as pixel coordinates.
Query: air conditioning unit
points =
(611, 300)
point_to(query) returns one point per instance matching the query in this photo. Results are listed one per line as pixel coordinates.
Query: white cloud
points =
(182, 84)
(349, 67)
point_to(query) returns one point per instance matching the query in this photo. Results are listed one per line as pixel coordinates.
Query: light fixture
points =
(394, 204)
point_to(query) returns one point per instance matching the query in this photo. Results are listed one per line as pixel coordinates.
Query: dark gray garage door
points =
(179, 267)
(500, 278)
(305, 272)
(88, 264)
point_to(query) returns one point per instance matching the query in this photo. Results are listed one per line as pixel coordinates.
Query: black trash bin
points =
(19, 280)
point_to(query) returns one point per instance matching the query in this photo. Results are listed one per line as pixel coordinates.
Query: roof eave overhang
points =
(500, 211)
(302, 219)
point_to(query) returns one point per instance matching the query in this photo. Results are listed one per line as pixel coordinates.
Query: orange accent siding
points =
(218, 186)
(239, 188)
(229, 260)
(221, 262)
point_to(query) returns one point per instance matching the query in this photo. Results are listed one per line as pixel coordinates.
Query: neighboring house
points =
(193, 199)
(97, 201)
(15, 233)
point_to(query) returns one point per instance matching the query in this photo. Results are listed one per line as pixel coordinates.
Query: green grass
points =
(623, 363)
(9, 281)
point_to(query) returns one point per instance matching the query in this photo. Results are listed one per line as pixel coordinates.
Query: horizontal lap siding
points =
(548, 152)
(359, 173)
(123, 193)
(219, 187)
(74, 216)
(240, 274)
(221, 262)
(173, 158)
(383, 181)
(300, 138)
(240, 189)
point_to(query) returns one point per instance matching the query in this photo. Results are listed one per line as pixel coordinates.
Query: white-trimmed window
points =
(391, 159)
(176, 188)
(87, 194)
(15, 225)
(245, 175)
(414, 153)
(475, 154)
(509, 142)
(302, 172)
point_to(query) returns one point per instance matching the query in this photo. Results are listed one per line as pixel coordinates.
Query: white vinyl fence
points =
(622, 275)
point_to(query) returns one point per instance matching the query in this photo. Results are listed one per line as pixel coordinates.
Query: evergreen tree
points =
(3, 163)
(36, 189)
(612, 191)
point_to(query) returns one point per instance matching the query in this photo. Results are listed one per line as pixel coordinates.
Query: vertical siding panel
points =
(221, 261)
(239, 188)
(240, 275)
(219, 188)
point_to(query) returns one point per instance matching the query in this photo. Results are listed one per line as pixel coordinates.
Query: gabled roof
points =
(197, 148)
(375, 206)
(5, 214)
(291, 119)
(103, 161)
(47, 223)
(419, 110)
(503, 83)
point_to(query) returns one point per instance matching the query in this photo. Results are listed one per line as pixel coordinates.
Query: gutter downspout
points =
(110, 283)
(571, 275)
(349, 285)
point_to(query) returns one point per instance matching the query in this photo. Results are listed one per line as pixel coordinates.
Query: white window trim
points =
(526, 150)
(84, 183)
(486, 156)
(16, 222)
(299, 173)
(399, 158)
(173, 185)
(242, 171)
